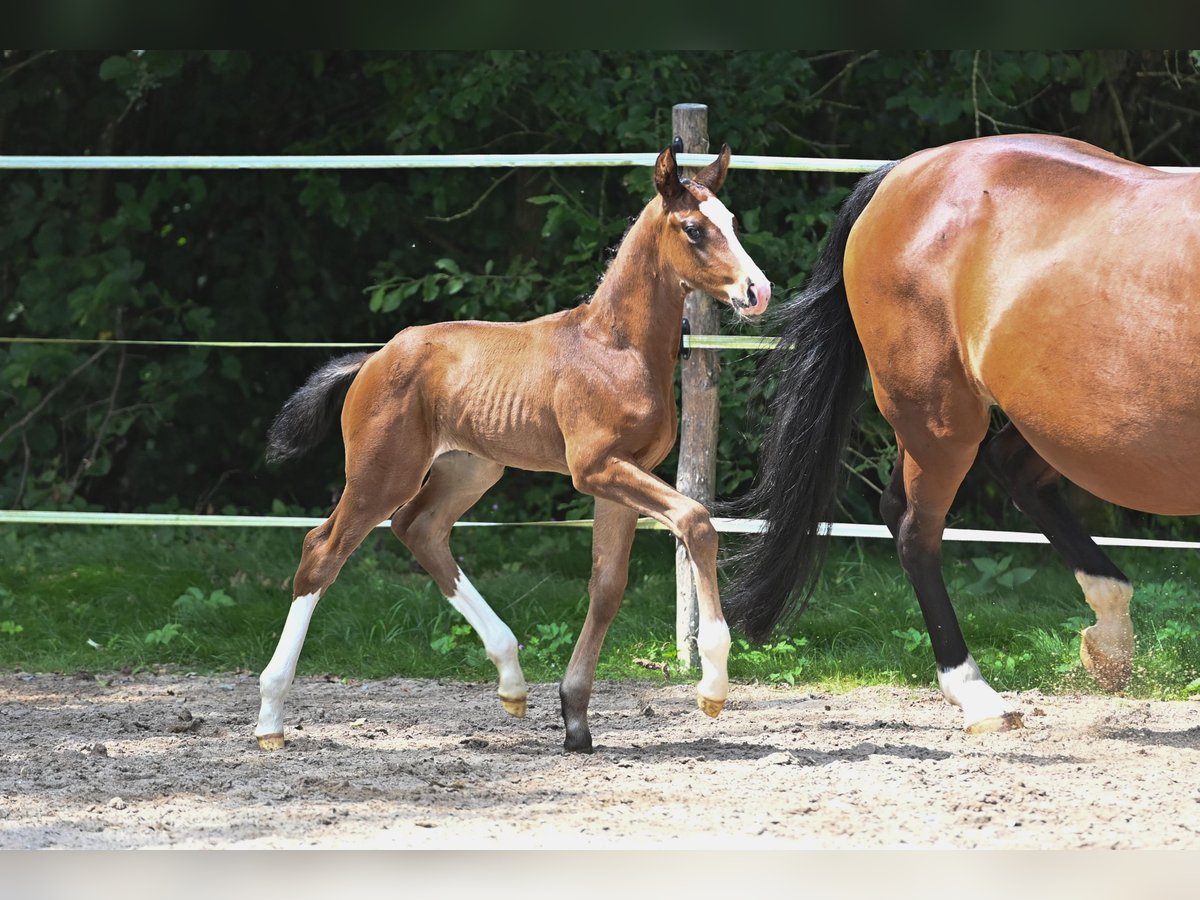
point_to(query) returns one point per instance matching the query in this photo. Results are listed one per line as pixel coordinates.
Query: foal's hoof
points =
(711, 708)
(1110, 667)
(515, 707)
(270, 741)
(1010, 721)
(578, 745)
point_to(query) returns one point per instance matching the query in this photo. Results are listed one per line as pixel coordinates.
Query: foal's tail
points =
(307, 415)
(820, 367)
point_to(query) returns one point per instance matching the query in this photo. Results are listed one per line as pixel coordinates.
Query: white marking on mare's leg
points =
(1106, 648)
(965, 687)
(276, 678)
(498, 640)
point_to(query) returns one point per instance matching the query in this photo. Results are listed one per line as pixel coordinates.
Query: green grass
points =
(103, 599)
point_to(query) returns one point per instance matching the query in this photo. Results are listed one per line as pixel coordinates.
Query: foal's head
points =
(699, 237)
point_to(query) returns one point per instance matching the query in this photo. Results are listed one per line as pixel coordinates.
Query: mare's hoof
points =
(515, 707)
(270, 741)
(1110, 669)
(1010, 721)
(711, 708)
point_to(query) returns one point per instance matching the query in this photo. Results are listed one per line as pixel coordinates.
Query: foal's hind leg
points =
(1106, 648)
(612, 539)
(456, 482)
(363, 505)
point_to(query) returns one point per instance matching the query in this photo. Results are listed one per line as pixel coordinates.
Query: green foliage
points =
(357, 256)
(10, 627)
(550, 644)
(194, 603)
(778, 662)
(94, 600)
(914, 639)
(995, 574)
(444, 643)
(163, 636)
(1176, 631)
(461, 643)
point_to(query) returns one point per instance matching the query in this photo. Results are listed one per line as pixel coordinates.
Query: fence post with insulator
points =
(696, 475)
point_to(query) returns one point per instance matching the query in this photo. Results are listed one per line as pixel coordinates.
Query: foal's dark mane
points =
(610, 253)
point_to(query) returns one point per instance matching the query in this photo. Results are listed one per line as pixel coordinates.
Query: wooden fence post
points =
(696, 476)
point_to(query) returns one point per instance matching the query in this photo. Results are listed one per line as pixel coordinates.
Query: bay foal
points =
(587, 392)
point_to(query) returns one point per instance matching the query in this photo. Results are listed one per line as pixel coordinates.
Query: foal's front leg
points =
(612, 538)
(623, 481)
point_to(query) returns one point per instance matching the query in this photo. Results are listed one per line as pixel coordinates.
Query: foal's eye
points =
(693, 231)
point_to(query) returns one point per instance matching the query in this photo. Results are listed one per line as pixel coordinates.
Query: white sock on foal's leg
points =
(498, 640)
(276, 678)
(712, 643)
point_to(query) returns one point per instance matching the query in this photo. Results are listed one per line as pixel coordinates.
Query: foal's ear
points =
(712, 176)
(666, 176)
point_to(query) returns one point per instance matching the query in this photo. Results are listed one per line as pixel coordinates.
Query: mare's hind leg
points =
(893, 503)
(928, 473)
(612, 539)
(1106, 648)
(364, 504)
(456, 482)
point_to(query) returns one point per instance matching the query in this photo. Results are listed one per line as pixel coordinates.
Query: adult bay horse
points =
(431, 421)
(1037, 274)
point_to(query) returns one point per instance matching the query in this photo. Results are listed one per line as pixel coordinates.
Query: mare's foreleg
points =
(1106, 648)
(456, 482)
(612, 539)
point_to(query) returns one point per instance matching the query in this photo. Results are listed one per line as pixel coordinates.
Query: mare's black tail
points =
(307, 415)
(820, 367)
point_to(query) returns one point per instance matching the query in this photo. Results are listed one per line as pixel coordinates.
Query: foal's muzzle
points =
(756, 300)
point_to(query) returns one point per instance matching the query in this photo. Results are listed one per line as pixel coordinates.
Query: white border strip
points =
(698, 341)
(452, 161)
(726, 525)
(429, 161)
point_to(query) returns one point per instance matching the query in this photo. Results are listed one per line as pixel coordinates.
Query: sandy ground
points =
(147, 760)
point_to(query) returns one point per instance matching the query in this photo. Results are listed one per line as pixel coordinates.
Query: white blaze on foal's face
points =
(748, 291)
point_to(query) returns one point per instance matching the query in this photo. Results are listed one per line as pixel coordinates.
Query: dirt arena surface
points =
(120, 761)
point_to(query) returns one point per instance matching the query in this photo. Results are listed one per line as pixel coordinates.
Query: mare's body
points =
(1037, 274)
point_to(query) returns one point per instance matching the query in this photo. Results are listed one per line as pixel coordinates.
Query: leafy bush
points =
(195, 603)
(357, 256)
(163, 636)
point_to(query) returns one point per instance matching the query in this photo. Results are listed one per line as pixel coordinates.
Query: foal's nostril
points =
(751, 296)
